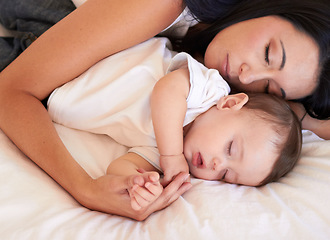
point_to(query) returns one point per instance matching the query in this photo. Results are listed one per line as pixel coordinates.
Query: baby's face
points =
(230, 145)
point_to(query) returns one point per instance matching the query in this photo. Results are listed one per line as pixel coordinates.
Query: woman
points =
(311, 20)
(95, 30)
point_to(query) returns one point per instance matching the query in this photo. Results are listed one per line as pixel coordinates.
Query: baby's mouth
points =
(198, 161)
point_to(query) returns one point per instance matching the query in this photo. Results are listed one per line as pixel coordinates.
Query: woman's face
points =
(266, 54)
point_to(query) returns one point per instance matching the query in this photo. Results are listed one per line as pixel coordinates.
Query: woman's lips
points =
(197, 160)
(225, 69)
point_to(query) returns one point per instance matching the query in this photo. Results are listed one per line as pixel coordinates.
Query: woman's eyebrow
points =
(282, 66)
(283, 57)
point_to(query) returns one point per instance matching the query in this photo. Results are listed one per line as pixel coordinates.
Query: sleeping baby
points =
(175, 115)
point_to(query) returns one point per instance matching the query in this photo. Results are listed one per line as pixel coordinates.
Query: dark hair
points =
(208, 11)
(317, 104)
(286, 124)
(310, 17)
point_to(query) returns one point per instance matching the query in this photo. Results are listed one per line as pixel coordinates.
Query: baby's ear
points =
(235, 101)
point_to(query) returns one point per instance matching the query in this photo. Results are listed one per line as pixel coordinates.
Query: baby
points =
(243, 139)
(179, 120)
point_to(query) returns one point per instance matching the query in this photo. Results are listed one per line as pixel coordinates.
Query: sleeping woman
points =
(271, 38)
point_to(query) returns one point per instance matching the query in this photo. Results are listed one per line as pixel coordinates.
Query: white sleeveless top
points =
(112, 97)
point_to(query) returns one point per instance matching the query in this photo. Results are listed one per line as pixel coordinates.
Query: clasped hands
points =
(134, 196)
(148, 188)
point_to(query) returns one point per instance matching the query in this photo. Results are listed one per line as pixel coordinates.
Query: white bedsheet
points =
(33, 206)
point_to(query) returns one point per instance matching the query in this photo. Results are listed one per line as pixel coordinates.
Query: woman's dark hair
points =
(208, 11)
(310, 17)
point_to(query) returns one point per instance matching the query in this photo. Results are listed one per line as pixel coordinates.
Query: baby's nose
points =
(217, 164)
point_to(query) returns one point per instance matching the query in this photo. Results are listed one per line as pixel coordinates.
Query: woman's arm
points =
(319, 127)
(96, 29)
(168, 110)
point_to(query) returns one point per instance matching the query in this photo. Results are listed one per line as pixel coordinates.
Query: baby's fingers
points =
(143, 196)
(154, 188)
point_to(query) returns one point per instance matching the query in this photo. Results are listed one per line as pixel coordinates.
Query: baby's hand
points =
(172, 166)
(146, 189)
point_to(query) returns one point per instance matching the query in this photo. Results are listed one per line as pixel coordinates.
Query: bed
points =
(34, 206)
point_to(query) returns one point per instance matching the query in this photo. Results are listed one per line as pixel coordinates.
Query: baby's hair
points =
(286, 124)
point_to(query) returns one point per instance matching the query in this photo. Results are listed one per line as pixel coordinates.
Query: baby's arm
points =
(168, 109)
(146, 187)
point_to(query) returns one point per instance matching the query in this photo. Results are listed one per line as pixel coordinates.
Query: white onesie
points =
(112, 97)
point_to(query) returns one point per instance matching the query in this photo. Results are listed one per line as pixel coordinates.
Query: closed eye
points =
(267, 54)
(229, 148)
(224, 175)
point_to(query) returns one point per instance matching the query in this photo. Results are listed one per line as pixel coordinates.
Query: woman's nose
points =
(247, 75)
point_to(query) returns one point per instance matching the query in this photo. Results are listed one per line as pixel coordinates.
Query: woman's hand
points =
(319, 127)
(109, 194)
